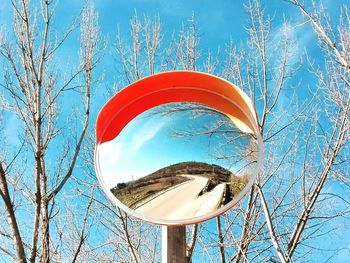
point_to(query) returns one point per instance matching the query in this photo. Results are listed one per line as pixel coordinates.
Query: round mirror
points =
(177, 161)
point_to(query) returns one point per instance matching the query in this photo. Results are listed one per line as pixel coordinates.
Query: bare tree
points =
(335, 137)
(285, 215)
(35, 92)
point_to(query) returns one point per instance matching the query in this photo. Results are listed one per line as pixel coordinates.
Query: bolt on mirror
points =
(178, 147)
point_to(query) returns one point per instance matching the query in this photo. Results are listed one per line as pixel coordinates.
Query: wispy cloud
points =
(150, 129)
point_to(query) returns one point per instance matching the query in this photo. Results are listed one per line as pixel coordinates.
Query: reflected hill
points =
(194, 181)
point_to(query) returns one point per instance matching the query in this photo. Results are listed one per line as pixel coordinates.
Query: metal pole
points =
(174, 244)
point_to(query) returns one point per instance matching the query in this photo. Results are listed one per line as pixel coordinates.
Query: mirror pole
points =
(174, 244)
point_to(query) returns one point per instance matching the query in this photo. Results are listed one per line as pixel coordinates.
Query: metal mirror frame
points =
(174, 87)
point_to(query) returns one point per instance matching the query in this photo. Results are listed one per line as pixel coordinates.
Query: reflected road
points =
(183, 202)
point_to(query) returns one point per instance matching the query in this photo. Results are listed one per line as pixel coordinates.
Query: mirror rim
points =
(251, 117)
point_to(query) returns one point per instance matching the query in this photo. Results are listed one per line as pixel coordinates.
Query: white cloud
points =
(110, 152)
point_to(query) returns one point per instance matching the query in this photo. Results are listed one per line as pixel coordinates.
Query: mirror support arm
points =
(174, 244)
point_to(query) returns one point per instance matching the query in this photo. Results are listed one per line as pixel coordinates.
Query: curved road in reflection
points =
(183, 202)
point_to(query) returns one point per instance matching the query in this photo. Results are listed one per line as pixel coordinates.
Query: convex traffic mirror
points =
(178, 147)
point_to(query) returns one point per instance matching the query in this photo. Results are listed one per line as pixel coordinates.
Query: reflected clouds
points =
(119, 151)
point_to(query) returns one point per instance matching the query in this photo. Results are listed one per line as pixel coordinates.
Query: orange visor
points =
(171, 87)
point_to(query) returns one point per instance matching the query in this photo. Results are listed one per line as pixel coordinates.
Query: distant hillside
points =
(191, 168)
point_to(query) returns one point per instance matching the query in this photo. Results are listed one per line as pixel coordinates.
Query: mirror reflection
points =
(178, 161)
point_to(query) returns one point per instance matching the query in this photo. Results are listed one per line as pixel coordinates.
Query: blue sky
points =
(218, 22)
